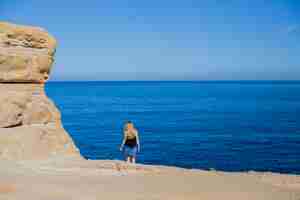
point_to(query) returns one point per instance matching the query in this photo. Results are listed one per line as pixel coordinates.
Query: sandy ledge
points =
(70, 179)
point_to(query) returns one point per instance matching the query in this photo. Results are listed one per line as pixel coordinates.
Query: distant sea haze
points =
(178, 81)
(225, 125)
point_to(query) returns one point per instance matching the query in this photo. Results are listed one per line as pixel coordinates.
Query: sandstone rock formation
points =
(30, 124)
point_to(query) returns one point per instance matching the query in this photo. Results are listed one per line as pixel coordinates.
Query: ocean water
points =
(231, 126)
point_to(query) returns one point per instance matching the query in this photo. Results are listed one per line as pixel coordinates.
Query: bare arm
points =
(138, 141)
(123, 142)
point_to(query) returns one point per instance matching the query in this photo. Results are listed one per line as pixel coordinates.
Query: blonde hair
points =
(129, 130)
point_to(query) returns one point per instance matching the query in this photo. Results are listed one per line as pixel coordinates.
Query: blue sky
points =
(167, 40)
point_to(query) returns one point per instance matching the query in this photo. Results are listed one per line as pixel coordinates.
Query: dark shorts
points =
(130, 151)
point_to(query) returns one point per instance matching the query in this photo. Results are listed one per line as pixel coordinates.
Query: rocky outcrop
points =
(26, 53)
(30, 124)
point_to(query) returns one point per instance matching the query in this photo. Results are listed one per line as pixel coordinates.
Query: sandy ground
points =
(70, 179)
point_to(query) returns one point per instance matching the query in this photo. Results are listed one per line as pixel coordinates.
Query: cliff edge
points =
(30, 124)
(31, 133)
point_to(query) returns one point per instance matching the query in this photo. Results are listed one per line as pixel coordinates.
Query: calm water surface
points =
(232, 126)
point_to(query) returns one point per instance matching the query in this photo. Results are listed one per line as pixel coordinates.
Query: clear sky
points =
(167, 39)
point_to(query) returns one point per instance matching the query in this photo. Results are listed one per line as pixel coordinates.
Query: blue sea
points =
(230, 126)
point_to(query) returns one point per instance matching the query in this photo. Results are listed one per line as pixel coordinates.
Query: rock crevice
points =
(30, 123)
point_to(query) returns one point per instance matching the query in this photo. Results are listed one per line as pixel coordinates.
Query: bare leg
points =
(133, 160)
(128, 160)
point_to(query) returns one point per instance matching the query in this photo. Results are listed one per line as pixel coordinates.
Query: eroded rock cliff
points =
(30, 124)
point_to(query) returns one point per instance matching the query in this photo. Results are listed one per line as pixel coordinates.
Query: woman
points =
(130, 143)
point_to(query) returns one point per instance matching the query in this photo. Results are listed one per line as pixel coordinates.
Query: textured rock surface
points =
(26, 104)
(65, 179)
(26, 53)
(30, 124)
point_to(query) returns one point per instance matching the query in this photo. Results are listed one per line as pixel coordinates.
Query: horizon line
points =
(174, 80)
